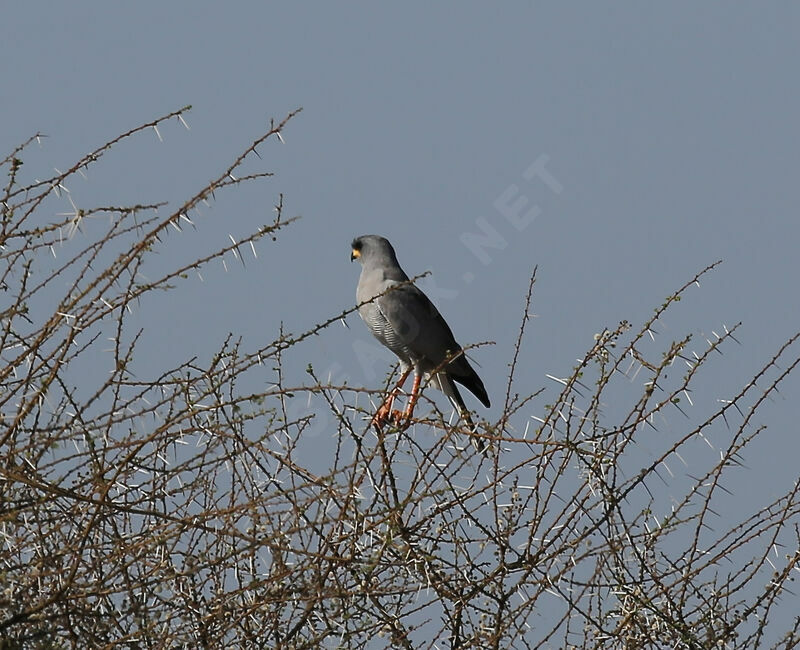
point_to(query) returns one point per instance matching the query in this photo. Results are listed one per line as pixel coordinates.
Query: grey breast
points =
(384, 332)
(373, 283)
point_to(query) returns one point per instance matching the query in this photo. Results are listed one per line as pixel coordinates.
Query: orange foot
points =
(400, 418)
(386, 414)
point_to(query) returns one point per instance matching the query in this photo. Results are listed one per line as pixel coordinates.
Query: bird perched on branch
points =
(403, 319)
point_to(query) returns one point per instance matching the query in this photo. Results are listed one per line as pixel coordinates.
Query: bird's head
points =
(372, 249)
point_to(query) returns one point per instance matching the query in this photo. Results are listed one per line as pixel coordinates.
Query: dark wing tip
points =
(474, 385)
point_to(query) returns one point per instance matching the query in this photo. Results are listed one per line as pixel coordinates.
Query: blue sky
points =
(670, 131)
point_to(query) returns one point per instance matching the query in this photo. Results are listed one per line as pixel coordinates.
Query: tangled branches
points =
(182, 510)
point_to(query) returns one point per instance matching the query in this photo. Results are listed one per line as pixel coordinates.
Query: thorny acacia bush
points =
(175, 510)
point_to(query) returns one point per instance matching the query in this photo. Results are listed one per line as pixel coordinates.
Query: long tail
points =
(449, 388)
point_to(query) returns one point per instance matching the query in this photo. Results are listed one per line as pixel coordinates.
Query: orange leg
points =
(385, 410)
(405, 417)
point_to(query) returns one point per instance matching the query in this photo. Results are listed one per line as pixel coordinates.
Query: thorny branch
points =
(191, 509)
